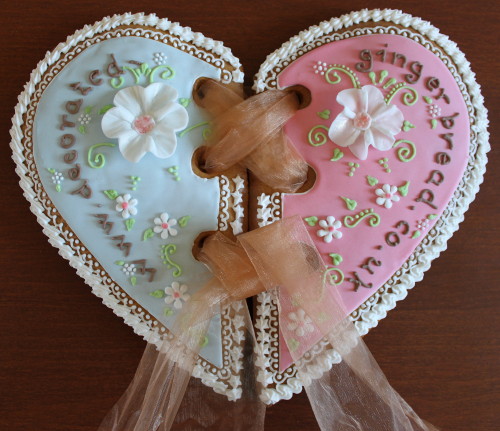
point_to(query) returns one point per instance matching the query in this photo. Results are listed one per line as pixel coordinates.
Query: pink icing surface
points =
(324, 199)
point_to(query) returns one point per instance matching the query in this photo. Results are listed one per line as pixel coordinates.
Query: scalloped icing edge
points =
(233, 389)
(377, 306)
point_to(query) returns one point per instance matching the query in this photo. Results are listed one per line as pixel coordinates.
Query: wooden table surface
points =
(65, 358)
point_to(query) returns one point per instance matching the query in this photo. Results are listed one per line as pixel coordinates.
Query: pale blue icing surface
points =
(157, 191)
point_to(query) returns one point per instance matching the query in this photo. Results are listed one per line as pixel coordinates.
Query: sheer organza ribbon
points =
(250, 133)
(353, 395)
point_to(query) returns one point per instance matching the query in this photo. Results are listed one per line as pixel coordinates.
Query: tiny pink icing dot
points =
(388, 195)
(176, 295)
(164, 225)
(144, 124)
(362, 121)
(331, 228)
(125, 205)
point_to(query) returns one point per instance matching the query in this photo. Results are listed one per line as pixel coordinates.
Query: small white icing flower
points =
(159, 58)
(84, 119)
(300, 323)
(434, 111)
(366, 120)
(176, 294)
(330, 229)
(320, 67)
(164, 226)
(57, 178)
(145, 120)
(423, 224)
(126, 205)
(387, 195)
(129, 269)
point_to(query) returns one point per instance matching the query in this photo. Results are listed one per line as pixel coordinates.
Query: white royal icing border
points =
(226, 380)
(367, 316)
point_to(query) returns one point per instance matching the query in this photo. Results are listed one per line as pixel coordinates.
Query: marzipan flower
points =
(300, 323)
(366, 120)
(126, 205)
(387, 195)
(330, 229)
(176, 294)
(145, 119)
(164, 226)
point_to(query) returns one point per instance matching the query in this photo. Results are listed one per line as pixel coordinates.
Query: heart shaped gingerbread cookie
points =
(104, 138)
(395, 133)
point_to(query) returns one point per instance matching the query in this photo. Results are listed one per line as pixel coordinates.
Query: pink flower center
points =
(164, 225)
(331, 228)
(125, 205)
(144, 124)
(388, 195)
(362, 121)
(177, 295)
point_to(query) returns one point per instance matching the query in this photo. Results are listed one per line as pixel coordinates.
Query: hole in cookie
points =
(310, 181)
(198, 243)
(198, 163)
(198, 93)
(303, 95)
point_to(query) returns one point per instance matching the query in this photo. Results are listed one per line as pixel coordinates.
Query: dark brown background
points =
(65, 358)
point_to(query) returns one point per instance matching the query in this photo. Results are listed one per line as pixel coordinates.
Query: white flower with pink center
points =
(145, 120)
(300, 323)
(126, 205)
(366, 120)
(176, 294)
(165, 226)
(387, 195)
(330, 229)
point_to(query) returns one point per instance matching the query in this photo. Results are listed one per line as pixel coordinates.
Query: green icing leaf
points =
(293, 344)
(407, 126)
(145, 69)
(120, 263)
(51, 170)
(129, 223)
(157, 294)
(168, 312)
(311, 221)
(350, 203)
(105, 109)
(111, 194)
(404, 188)
(324, 114)
(204, 341)
(133, 280)
(336, 258)
(184, 101)
(372, 181)
(88, 109)
(82, 129)
(431, 216)
(337, 155)
(427, 99)
(433, 123)
(416, 234)
(148, 233)
(183, 221)
(58, 188)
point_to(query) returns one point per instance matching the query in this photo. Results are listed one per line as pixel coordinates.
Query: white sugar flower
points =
(129, 269)
(330, 229)
(300, 323)
(176, 294)
(145, 119)
(126, 205)
(366, 120)
(57, 178)
(387, 195)
(164, 226)
(159, 58)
